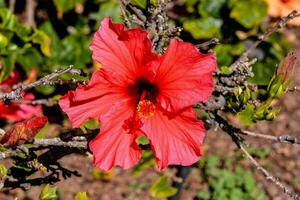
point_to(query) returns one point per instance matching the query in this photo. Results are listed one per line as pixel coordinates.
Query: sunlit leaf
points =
(41, 38)
(81, 196)
(48, 193)
(3, 171)
(161, 188)
(23, 131)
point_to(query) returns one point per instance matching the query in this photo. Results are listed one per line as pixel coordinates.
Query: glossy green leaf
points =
(48, 193)
(161, 188)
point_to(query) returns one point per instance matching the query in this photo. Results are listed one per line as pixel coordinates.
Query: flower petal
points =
(114, 146)
(18, 112)
(184, 76)
(126, 52)
(176, 140)
(94, 99)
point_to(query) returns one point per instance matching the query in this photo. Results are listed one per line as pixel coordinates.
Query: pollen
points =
(145, 109)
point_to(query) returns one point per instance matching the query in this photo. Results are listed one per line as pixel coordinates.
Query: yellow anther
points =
(145, 109)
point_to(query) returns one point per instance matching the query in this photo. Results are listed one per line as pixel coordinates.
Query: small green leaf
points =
(48, 193)
(81, 196)
(246, 115)
(45, 89)
(140, 3)
(3, 171)
(142, 140)
(3, 41)
(225, 70)
(6, 67)
(41, 38)
(203, 28)
(161, 189)
(204, 195)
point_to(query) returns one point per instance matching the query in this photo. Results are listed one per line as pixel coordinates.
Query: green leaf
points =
(246, 116)
(225, 70)
(204, 195)
(3, 171)
(249, 12)
(224, 56)
(2, 4)
(6, 67)
(41, 38)
(203, 28)
(110, 8)
(81, 196)
(209, 8)
(250, 184)
(161, 189)
(66, 5)
(48, 193)
(140, 3)
(142, 140)
(30, 58)
(3, 41)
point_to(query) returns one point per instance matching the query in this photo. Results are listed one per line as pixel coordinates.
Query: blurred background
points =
(40, 36)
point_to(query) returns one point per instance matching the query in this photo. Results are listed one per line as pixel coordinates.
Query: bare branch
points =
(76, 142)
(294, 89)
(17, 93)
(268, 176)
(280, 24)
(282, 138)
(46, 102)
(235, 134)
(205, 46)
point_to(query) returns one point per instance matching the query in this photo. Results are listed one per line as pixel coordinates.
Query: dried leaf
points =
(23, 131)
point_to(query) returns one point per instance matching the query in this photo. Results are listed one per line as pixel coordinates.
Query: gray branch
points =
(17, 93)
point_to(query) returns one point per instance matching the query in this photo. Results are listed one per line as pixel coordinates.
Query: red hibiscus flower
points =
(137, 92)
(15, 111)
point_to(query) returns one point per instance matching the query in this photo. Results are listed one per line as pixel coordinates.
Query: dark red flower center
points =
(144, 89)
(144, 93)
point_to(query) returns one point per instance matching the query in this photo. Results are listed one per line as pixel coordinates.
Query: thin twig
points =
(17, 93)
(235, 134)
(76, 142)
(282, 138)
(294, 89)
(280, 24)
(46, 102)
(205, 46)
(268, 176)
